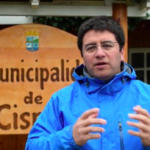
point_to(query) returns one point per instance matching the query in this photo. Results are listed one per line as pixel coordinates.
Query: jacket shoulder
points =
(67, 93)
(140, 88)
(69, 89)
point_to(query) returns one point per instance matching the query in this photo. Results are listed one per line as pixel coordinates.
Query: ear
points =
(122, 54)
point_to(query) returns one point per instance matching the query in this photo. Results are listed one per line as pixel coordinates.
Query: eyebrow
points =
(103, 42)
(94, 43)
(90, 44)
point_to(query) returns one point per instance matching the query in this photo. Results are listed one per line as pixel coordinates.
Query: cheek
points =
(115, 58)
(87, 59)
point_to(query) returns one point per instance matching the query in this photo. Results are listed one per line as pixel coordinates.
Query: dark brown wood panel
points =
(140, 36)
(12, 142)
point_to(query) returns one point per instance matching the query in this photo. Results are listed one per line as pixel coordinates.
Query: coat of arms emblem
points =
(32, 40)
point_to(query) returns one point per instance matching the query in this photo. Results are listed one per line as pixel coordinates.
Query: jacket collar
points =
(114, 85)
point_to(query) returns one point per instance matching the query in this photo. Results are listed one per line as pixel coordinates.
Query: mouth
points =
(100, 64)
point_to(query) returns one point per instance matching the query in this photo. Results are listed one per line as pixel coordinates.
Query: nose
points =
(99, 53)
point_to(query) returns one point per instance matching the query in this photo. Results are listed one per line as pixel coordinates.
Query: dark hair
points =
(101, 23)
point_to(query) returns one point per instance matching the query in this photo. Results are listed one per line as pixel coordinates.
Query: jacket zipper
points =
(121, 136)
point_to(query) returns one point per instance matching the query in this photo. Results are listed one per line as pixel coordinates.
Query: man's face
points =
(102, 61)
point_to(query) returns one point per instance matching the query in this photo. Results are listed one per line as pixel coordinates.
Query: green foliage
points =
(69, 24)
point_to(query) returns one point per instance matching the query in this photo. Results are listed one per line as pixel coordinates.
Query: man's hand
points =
(82, 128)
(143, 125)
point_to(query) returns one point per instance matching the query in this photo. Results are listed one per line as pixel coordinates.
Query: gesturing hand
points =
(82, 128)
(144, 125)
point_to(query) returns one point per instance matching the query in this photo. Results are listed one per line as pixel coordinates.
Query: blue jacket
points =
(115, 99)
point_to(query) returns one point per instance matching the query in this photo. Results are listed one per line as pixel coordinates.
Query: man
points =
(105, 108)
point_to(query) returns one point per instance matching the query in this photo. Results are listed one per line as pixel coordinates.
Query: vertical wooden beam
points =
(120, 15)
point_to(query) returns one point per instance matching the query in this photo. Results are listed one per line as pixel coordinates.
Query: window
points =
(140, 61)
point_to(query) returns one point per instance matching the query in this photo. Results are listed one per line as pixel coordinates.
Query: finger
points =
(88, 113)
(91, 121)
(140, 117)
(92, 136)
(139, 134)
(89, 129)
(138, 106)
(140, 126)
(142, 111)
(93, 115)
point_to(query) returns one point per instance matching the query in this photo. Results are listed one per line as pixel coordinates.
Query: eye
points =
(91, 48)
(107, 46)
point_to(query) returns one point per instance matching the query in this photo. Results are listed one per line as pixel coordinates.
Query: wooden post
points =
(120, 15)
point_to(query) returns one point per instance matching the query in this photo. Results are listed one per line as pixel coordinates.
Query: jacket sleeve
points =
(146, 148)
(48, 133)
